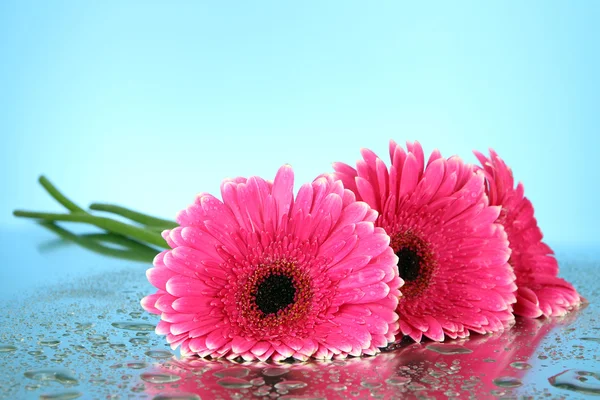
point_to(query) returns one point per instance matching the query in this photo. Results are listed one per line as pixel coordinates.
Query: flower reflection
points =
(482, 366)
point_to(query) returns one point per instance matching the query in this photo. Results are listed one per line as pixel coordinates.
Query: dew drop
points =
(234, 372)
(443, 348)
(159, 354)
(84, 325)
(507, 382)
(176, 396)
(520, 365)
(290, 385)
(159, 378)
(97, 338)
(6, 348)
(577, 381)
(591, 339)
(338, 387)
(257, 381)
(274, 371)
(138, 340)
(134, 326)
(398, 381)
(59, 375)
(61, 396)
(49, 343)
(300, 397)
(371, 384)
(231, 382)
(136, 365)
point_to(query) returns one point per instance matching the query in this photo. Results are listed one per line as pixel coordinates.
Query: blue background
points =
(147, 103)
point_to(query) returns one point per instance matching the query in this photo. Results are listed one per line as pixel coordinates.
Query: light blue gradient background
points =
(147, 103)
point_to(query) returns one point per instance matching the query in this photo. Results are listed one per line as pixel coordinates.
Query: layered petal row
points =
(263, 274)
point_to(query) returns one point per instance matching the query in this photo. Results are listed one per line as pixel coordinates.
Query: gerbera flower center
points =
(276, 295)
(276, 292)
(409, 264)
(416, 262)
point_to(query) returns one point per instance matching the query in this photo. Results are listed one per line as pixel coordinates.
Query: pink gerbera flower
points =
(540, 291)
(451, 254)
(263, 275)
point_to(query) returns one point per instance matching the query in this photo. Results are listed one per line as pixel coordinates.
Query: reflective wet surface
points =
(72, 327)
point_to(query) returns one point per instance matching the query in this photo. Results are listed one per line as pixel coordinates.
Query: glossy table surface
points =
(72, 327)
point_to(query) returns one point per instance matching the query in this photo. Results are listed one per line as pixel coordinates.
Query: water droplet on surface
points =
(59, 375)
(159, 378)
(234, 383)
(134, 326)
(444, 348)
(84, 325)
(136, 365)
(577, 381)
(257, 381)
(49, 343)
(97, 338)
(177, 396)
(61, 396)
(137, 340)
(338, 387)
(290, 385)
(6, 348)
(520, 365)
(591, 339)
(371, 384)
(300, 397)
(507, 382)
(274, 371)
(234, 372)
(398, 381)
(159, 354)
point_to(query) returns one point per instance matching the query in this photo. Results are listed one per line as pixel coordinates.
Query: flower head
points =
(264, 275)
(451, 253)
(540, 291)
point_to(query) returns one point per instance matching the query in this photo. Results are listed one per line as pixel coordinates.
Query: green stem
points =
(58, 196)
(144, 219)
(107, 224)
(131, 249)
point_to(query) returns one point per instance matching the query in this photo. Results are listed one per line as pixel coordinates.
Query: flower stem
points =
(108, 224)
(129, 249)
(144, 219)
(58, 196)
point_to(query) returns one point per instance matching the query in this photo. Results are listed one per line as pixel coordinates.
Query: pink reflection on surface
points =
(484, 366)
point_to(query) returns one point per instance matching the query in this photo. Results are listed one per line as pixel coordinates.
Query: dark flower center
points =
(417, 262)
(409, 264)
(275, 293)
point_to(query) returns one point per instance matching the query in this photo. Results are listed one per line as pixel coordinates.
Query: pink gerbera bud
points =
(540, 291)
(451, 253)
(263, 275)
